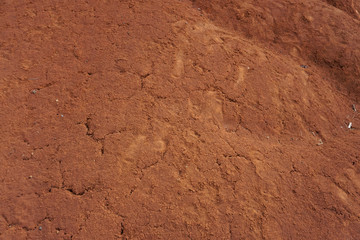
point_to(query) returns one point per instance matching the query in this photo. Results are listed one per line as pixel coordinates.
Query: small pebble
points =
(30, 176)
(33, 91)
(57, 100)
(304, 66)
(62, 115)
(40, 228)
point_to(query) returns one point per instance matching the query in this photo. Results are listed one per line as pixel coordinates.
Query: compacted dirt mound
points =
(180, 119)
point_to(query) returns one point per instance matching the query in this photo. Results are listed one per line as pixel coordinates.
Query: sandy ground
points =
(180, 119)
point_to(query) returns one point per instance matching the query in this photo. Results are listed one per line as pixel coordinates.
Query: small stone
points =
(40, 228)
(57, 100)
(34, 91)
(30, 176)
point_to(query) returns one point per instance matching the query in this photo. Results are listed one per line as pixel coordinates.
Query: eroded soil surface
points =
(179, 119)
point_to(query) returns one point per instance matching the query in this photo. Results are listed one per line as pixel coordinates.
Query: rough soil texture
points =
(178, 119)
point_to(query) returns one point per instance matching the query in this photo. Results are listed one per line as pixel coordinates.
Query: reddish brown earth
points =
(179, 119)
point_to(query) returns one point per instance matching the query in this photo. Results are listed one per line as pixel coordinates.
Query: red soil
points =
(179, 119)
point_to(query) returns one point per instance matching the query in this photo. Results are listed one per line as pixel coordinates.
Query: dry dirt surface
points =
(179, 119)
